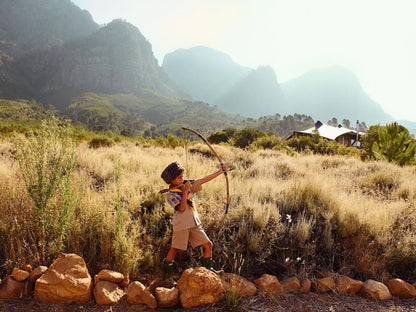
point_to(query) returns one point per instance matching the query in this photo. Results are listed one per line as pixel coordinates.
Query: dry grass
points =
(288, 213)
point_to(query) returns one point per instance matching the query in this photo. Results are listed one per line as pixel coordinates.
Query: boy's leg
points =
(171, 254)
(207, 249)
(168, 263)
(198, 237)
(179, 241)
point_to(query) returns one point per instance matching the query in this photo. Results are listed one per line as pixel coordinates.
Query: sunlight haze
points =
(373, 39)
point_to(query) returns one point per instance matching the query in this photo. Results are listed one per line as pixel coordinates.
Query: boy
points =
(186, 223)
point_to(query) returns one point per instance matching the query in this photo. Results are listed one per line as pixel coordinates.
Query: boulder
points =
(167, 297)
(27, 267)
(107, 293)
(19, 274)
(126, 281)
(306, 285)
(199, 286)
(36, 273)
(346, 285)
(238, 284)
(138, 294)
(11, 289)
(324, 284)
(67, 280)
(268, 283)
(375, 290)
(290, 284)
(402, 289)
(108, 275)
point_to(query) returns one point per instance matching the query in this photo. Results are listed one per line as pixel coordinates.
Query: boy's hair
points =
(172, 171)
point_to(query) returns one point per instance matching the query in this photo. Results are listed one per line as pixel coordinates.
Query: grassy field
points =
(290, 214)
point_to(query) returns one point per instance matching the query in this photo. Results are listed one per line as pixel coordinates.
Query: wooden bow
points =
(227, 204)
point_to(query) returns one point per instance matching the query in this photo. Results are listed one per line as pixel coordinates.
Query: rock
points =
(138, 294)
(290, 284)
(324, 284)
(107, 293)
(11, 289)
(27, 267)
(108, 275)
(306, 285)
(20, 275)
(268, 283)
(126, 281)
(375, 290)
(238, 284)
(199, 286)
(167, 297)
(402, 289)
(346, 285)
(36, 273)
(67, 280)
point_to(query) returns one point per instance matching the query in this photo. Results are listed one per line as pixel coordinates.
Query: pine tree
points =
(395, 145)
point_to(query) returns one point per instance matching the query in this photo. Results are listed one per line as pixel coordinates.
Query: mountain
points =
(53, 51)
(331, 92)
(28, 27)
(115, 59)
(212, 76)
(256, 95)
(203, 72)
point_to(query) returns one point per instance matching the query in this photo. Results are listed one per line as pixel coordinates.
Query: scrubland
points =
(289, 214)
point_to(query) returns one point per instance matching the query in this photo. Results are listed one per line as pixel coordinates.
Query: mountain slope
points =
(38, 24)
(256, 95)
(52, 51)
(204, 73)
(115, 59)
(331, 92)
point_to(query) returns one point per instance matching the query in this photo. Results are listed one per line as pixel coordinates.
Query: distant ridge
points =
(203, 72)
(254, 96)
(321, 93)
(330, 92)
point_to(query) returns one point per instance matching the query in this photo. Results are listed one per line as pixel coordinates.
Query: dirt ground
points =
(286, 302)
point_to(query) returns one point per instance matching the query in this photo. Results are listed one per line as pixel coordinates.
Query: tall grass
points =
(289, 213)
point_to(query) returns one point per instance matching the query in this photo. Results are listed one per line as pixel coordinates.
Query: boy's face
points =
(178, 180)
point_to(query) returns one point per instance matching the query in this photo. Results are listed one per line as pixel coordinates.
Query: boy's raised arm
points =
(211, 176)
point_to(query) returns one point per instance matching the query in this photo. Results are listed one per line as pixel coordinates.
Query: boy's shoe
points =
(167, 269)
(207, 263)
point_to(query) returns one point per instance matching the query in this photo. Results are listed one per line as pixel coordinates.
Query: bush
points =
(400, 251)
(100, 141)
(395, 144)
(46, 160)
(245, 137)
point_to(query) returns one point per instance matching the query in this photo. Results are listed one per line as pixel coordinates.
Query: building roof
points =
(328, 132)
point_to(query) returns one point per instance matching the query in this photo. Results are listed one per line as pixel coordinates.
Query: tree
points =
(395, 145)
(362, 127)
(368, 139)
(346, 123)
(333, 122)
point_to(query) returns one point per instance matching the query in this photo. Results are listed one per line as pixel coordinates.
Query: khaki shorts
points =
(196, 236)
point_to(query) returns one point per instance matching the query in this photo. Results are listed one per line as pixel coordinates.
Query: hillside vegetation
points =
(316, 213)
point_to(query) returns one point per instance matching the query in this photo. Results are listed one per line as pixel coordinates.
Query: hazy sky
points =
(375, 39)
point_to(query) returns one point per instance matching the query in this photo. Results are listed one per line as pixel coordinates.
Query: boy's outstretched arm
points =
(211, 176)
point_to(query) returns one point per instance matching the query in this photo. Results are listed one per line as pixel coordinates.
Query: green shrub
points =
(245, 137)
(46, 158)
(100, 141)
(395, 144)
